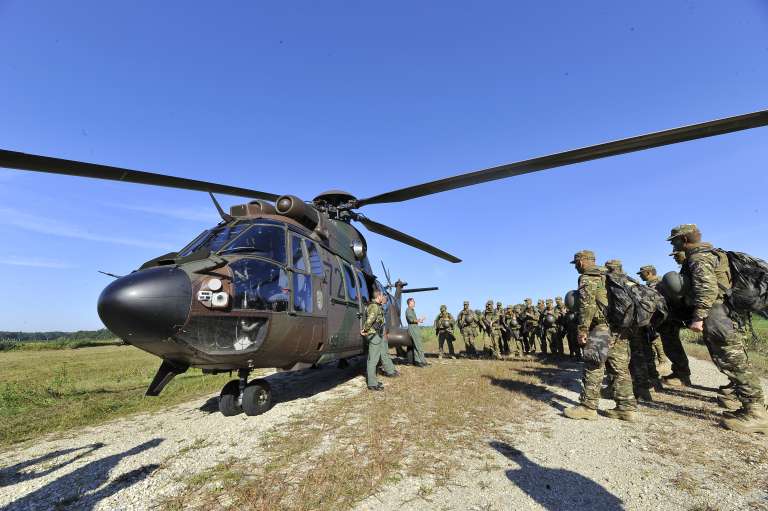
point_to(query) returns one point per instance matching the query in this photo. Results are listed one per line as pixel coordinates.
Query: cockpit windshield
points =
(214, 239)
(261, 240)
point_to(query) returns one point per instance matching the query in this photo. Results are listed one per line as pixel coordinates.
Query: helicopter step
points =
(252, 397)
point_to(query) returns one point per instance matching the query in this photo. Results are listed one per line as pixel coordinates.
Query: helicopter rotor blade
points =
(420, 289)
(396, 235)
(24, 161)
(615, 148)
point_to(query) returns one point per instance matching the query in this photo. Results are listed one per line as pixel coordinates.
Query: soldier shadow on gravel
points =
(556, 489)
(533, 391)
(83, 488)
(19, 472)
(567, 378)
(291, 385)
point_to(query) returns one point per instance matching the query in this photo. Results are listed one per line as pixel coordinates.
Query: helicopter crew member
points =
(593, 328)
(444, 329)
(413, 329)
(377, 349)
(467, 321)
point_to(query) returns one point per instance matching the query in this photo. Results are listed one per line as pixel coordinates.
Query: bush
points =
(9, 344)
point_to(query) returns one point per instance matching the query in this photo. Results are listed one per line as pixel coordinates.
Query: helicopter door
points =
(343, 322)
(354, 308)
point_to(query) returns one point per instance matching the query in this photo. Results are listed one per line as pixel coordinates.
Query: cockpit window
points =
(261, 240)
(350, 280)
(297, 254)
(363, 286)
(260, 285)
(214, 239)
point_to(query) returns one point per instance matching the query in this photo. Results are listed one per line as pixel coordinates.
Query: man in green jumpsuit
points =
(708, 273)
(593, 329)
(378, 349)
(467, 320)
(413, 329)
(444, 329)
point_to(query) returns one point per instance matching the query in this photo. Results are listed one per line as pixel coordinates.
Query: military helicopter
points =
(281, 282)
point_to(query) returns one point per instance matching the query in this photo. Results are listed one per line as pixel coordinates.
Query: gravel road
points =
(675, 457)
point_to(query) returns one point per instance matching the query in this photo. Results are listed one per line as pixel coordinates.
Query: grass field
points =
(52, 390)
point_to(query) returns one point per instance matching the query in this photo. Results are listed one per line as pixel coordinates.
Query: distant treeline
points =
(91, 335)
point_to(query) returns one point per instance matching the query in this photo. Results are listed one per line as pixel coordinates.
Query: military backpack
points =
(631, 304)
(749, 283)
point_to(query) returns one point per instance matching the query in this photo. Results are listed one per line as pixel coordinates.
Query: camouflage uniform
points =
(539, 334)
(504, 332)
(513, 327)
(561, 327)
(493, 329)
(548, 331)
(378, 349)
(709, 275)
(593, 298)
(669, 329)
(530, 324)
(467, 321)
(444, 329)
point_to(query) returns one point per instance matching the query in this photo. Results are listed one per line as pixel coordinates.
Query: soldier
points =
(444, 329)
(378, 350)
(571, 331)
(642, 369)
(492, 328)
(538, 330)
(504, 331)
(708, 273)
(593, 328)
(530, 324)
(513, 328)
(548, 327)
(561, 317)
(467, 321)
(419, 360)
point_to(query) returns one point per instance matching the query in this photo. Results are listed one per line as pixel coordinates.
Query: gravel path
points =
(675, 457)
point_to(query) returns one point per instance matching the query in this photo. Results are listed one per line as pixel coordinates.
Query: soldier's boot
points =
(728, 401)
(730, 414)
(676, 380)
(753, 420)
(580, 412)
(657, 386)
(607, 391)
(642, 394)
(727, 388)
(623, 415)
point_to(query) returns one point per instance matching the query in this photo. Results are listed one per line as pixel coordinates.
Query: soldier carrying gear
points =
(548, 327)
(492, 327)
(530, 324)
(538, 333)
(504, 332)
(665, 339)
(724, 330)
(444, 329)
(560, 325)
(378, 349)
(608, 353)
(468, 325)
(513, 329)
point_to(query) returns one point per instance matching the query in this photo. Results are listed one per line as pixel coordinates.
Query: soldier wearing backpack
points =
(719, 312)
(669, 334)
(604, 352)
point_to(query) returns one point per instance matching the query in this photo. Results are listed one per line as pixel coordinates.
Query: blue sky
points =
(300, 97)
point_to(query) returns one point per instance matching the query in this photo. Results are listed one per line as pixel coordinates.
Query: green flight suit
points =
(378, 349)
(415, 333)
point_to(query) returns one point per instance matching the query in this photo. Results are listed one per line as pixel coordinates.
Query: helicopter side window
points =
(363, 286)
(302, 292)
(350, 280)
(259, 285)
(215, 239)
(297, 254)
(315, 261)
(338, 282)
(261, 240)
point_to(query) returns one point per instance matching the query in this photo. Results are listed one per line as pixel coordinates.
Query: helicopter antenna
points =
(386, 274)
(224, 216)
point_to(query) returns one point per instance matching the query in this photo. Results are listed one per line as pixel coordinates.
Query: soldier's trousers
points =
(469, 342)
(658, 350)
(573, 343)
(669, 331)
(540, 340)
(378, 351)
(615, 367)
(642, 364)
(516, 343)
(559, 338)
(494, 342)
(726, 339)
(549, 338)
(504, 343)
(444, 336)
(418, 347)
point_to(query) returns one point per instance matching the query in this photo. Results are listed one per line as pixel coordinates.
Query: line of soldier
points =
(515, 330)
(624, 355)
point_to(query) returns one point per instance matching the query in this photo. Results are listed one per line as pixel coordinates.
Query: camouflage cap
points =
(549, 301)
(681, 230)
(443, 307)
(498, 304)
(489, 302)
(528, 300)
(583, 254)
(648, 267)
(613, 263)
(466, 302)
(558, 298)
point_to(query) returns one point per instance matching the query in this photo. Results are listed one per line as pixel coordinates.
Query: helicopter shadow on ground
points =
(291, 385)
(533, 391)
(556, 489)
(83, 488)
(24, 471)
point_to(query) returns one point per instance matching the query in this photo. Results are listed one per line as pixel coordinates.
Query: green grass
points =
(53, 390)
(64, 344)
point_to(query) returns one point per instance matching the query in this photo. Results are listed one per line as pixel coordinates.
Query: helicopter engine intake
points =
(293, 207)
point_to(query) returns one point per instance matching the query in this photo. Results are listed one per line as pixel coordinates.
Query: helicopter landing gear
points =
(238, 396)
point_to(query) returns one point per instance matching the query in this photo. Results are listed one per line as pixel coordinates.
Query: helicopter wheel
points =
(257, 397)
(228, 399)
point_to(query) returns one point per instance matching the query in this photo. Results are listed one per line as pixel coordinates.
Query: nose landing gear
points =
(237, 396)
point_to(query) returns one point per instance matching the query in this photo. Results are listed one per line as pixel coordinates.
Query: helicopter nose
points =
(147, 305)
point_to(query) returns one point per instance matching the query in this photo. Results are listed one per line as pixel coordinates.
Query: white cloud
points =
(43, 225)
(34, 262)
